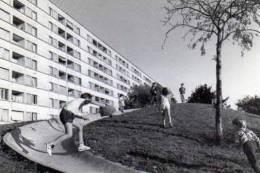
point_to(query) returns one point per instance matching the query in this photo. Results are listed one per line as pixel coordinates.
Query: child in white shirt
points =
(165, 107)
(249, 141)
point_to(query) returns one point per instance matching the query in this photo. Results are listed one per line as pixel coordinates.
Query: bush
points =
(106, 111)
(202, 94)
(250, 104)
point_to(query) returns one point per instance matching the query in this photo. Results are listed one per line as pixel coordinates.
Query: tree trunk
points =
(219, 128)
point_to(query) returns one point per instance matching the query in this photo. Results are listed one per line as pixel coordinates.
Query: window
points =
(30, 81)
(30, 29)
(4, 34)
(30, 63)
(4, 15)
(4, 53)
(53, 41)
(4, 73)
(77, 54)
(54, 103)
(53, 13)
(19, 40)
(17, 116)
(4, 94)
(4, 115)
(31, 46)
(53, 27)
(30, 13)
(31, 99)
(69, 25)
(33, 2)
(77, 30)
(54, 72)
(30, 116)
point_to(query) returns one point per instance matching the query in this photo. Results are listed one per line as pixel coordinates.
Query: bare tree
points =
(219, 21)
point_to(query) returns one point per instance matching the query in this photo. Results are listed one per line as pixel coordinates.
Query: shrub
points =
(250, 104)
(106, 111)
(202, 94)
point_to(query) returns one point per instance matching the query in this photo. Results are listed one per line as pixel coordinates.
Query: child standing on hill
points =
(121, 102)
(69, 112)
(165, 107)
(249, 142)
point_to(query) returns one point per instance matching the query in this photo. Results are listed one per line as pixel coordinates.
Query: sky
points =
(134, 28)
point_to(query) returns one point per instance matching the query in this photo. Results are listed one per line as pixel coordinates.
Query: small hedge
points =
(107, 111)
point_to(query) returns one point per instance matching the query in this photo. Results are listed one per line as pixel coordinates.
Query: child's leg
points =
(163, 112)
(249, 151)
(68, 134)
(169, 116)
(80, 132)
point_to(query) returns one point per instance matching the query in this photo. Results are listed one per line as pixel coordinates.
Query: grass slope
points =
(137, 140)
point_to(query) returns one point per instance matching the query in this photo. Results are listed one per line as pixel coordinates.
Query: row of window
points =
(100, 89)
(122, 88)
(64, 34)
(64, 76)
(18, 77)
(63, 61)
(98, 45)
(100, 67)
(136, 79)
(64, 21)
(25, 10)
(17, 115)
(136, 72)
(122, 70)
(121, 61)
(18, 96)
(99, 56)
(63, 90)
(64, 48)
(123, 79)
(100, 77)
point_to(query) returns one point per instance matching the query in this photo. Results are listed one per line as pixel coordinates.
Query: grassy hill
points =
(138, 140)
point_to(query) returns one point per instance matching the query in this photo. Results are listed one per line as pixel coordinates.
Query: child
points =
(182, 91)
(165, 107)
(248, 140)
(69, 112)
(121, 102)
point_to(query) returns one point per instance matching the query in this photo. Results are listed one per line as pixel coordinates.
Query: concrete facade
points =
(47, 58)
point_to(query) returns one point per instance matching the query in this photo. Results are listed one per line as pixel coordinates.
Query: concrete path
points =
(29, 141)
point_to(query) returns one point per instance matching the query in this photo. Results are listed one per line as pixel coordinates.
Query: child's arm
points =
(256, 139)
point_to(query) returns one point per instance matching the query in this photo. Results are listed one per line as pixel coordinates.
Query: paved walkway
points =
(30, 140)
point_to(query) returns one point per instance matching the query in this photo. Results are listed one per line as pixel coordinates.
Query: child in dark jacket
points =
(249, 142)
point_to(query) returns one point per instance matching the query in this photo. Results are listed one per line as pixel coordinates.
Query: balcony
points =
(61, 60)
(61, 46)
(70, 51)
(62, 75)
(71, 78)
(18, 77)
(18, 23)
(69, 38)
(17, 96)
(18, 59)
(70, 64)
(61, 19)
(61, 32)
(19, 40)
(19, 6)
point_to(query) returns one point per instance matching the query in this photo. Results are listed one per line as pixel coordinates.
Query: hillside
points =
(138, 140)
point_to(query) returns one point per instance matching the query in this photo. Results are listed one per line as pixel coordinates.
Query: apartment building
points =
(47, 58)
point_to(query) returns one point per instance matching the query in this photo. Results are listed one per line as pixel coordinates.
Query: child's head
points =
(165, 91)
(121, 95)
(239, 123)
(86, 96)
